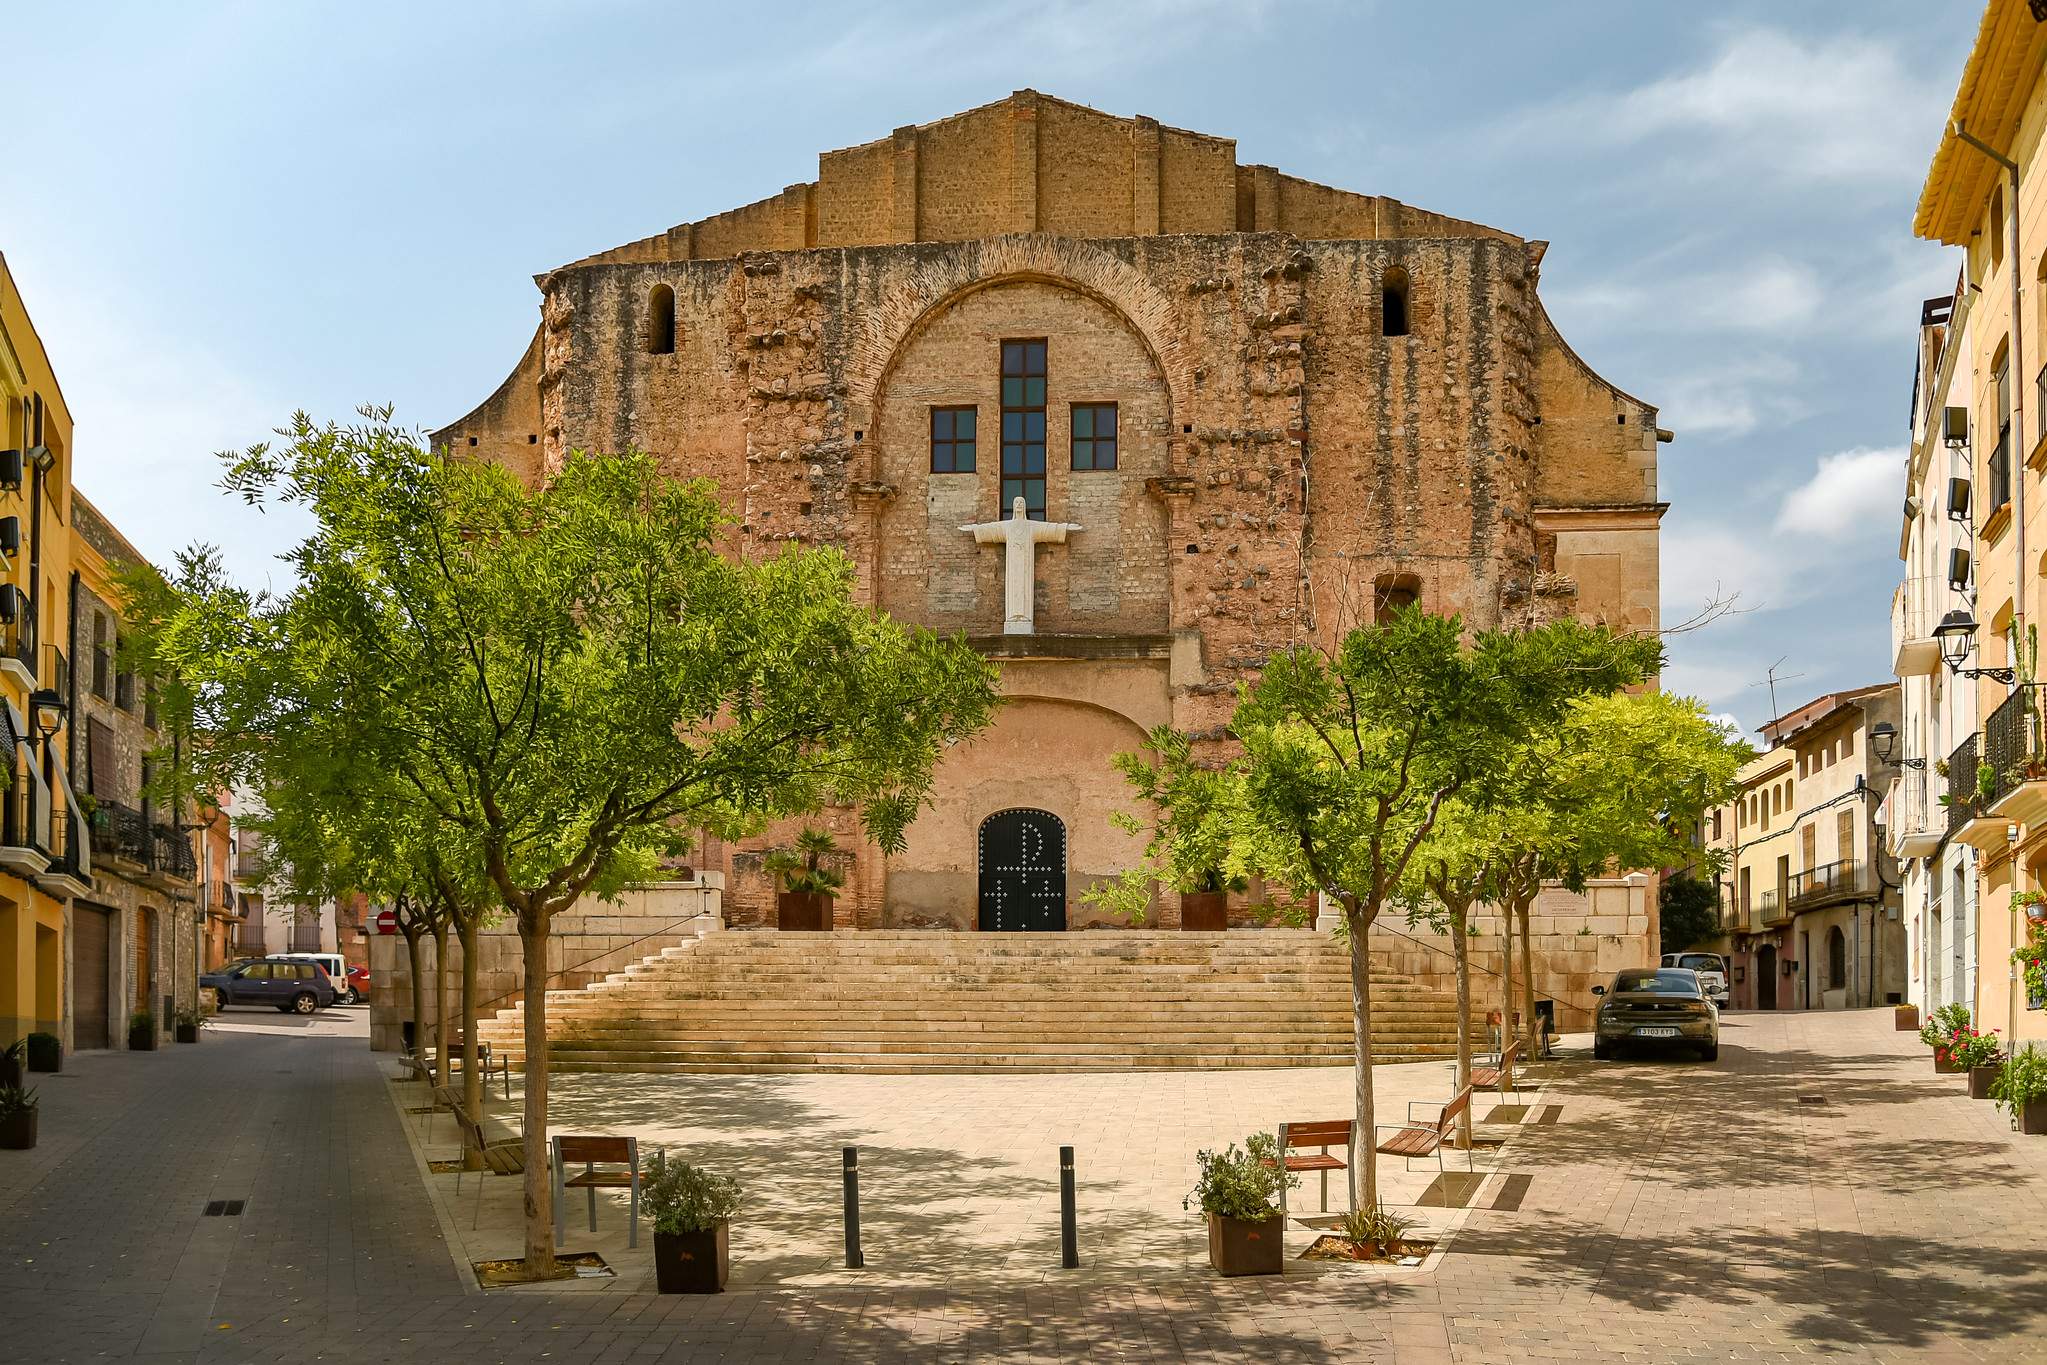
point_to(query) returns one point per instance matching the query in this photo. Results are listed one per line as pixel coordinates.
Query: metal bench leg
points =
(560, 1232)
(591, 1190)
(1325, 1191)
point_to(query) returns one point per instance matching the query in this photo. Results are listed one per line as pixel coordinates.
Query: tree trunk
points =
(472, 1075)
(1461, 944)
(413, 933)
(1530, 1051)
(1363, 1160)
(442, 1074)
(539, 1195)
(1506, 971)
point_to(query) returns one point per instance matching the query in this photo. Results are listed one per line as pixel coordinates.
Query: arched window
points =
(1393, 302)
(1837, 959)
(1393, 591)
(661, 321)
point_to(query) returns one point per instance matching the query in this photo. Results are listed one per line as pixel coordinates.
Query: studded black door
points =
(1023, 871)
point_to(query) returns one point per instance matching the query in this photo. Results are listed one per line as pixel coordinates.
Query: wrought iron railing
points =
(1961, 784)
(18, 637)
(2009, 745)
(120, 831)
(171, 853)
(1998, 477)
(1826, 882)
(1768, 907)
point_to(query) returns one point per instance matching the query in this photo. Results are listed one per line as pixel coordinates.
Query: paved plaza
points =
(1666, 1211)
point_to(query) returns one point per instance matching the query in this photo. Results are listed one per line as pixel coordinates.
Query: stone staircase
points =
(927, 1001)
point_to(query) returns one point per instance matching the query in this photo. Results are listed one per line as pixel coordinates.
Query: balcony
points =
(1917, 823)
(170, 854)
(2012, 749)
(1828, 883)
(18, 636)
(121, 834)
(70, 870)
(1961, 786)
(1997, 481)
(25, 820)
(1914, 614)
(1770, 908)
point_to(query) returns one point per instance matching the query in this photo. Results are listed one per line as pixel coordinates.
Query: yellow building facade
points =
(44, 854)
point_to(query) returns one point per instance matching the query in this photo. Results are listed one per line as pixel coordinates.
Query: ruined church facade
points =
(1271, 409)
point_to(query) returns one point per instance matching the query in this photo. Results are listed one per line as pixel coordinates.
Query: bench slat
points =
(1411, 1142)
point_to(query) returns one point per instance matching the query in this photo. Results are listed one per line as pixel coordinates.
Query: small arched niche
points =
(660, 330)
(1393, 299)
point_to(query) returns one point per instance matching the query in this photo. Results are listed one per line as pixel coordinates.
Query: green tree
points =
(558, 678)
(1350, 757)
(1687, 911)
(1195, 824)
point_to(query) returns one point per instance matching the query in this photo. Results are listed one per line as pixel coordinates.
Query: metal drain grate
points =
(1812, 1099)
(224, 1208)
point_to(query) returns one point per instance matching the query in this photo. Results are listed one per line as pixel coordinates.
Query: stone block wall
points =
(583, 948)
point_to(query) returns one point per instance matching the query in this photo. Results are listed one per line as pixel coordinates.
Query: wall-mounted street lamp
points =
(46, 711)
(1883, 739)
(1957, 635)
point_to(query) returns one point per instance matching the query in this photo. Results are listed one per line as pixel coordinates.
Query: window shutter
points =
(99, 755)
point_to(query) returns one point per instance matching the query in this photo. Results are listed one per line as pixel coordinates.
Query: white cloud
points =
(1846, 496)
(1770, 104)
(1732, 398)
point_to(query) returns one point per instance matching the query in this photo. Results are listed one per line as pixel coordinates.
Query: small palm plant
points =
(802, 870)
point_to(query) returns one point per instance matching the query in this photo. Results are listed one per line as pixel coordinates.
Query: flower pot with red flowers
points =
(1979, 1055)
(806, 882)
(2020, 1089)
(2030, 958)
(1239, 1191)
(1939, 1033)
(692, 1210)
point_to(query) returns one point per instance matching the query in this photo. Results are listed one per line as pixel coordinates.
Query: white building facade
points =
(1937, 544)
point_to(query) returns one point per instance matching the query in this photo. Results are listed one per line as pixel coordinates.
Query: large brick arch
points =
(1061, 262)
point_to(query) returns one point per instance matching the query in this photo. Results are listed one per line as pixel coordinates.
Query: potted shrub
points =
(17, 1118)
(45, 1052)
(1239, 1191)
(1938, 1033)
(2033, 903)
(1979, 1055)
(13, 1062)
(805, 885)
(189, 1021)
(2020, 1089)
(691, 1209)
(142, 1031)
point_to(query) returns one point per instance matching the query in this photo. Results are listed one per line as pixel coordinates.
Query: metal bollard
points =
(1069, 1235)
(851, 1160)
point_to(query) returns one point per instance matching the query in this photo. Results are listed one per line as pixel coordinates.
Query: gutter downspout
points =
(2018, 492)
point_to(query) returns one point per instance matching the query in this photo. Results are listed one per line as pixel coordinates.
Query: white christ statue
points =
(1020, 537)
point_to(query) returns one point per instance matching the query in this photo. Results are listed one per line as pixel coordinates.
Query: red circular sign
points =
(387, 921)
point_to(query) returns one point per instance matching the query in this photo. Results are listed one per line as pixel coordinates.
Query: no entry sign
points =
(387, 921)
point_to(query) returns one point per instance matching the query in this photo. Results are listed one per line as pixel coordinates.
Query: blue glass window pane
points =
(1083, 421)
(1034, 459)
(963, 423)
(1034, 393)
(1012, 426)
(1034, 426)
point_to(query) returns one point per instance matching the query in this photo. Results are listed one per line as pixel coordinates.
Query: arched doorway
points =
(1023, 871)
(1766, 978)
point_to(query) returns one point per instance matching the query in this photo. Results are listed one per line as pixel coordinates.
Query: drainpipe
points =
(2018, 488)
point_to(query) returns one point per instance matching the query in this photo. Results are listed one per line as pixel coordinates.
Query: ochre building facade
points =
(1273, 409)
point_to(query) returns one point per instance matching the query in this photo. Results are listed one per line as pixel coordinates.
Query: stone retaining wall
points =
(584, 947)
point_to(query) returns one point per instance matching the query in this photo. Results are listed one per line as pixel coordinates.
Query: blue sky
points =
(224, 212)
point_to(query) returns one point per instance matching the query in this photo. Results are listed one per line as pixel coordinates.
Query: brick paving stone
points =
(1674, 1213)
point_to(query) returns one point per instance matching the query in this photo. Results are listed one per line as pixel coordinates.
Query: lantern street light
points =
(1957, 635)
(46, 711)
(1883, 740)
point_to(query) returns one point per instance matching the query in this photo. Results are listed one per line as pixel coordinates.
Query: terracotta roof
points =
(2011, 47)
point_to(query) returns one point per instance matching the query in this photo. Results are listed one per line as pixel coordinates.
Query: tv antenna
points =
(1771, 678)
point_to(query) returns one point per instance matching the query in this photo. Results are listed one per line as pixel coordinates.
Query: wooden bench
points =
(505, 1156)
(614, 1152)
(1322, 1134)
(1424, 1136)
(1498, 1074)
(483, 1061)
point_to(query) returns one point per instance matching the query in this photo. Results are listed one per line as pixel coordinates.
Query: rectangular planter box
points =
(692, 1262)
(810, 912)
(1907, 1018)
(1980, 1078)
(2033, 1118)
(1206, 912)
(1237, 1247)
(1943, 1067)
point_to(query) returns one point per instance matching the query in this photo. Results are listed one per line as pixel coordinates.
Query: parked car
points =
(359, 981)
(338, 972)
(1655, 1007)
(1712, 970)
(293, 985)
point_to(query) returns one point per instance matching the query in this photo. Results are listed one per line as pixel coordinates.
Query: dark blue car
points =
(283, 983)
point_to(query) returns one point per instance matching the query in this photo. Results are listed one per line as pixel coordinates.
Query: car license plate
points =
(1656, 1033)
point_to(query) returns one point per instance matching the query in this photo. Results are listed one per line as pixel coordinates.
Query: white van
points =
(345, 992)
(1712, 970)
